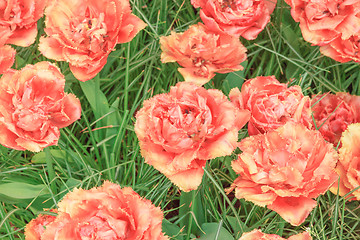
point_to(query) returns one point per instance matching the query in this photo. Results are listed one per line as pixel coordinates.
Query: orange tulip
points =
(323, 21)
(272, 104)
(284, 169)
(348, 166)
(36, 227)
(18, 20)
(343, 50)
(107, 212)
(84, 33)
(33, 106)
(246, 18)
(7, 57)
(202, 53)
(258, 235)
(334, 112)
(180, 130)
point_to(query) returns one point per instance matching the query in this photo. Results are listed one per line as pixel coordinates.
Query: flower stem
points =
(50, 170)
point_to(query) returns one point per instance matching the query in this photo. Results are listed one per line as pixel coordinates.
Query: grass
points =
(102, 145)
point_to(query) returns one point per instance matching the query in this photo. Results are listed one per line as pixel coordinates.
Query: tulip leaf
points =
(234, 79)
(70, 184)
(293, 41)
(172, 230)
(215, 231)
(17, 191)
(98, 103)
(20, 62)
(40, 158)
(96, 97)
(192, 210)
(234, 225)
(113, 121)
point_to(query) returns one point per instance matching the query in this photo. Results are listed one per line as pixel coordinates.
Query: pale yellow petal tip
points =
(188, 180)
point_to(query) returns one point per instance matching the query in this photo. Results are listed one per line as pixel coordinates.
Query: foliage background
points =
(102, 144)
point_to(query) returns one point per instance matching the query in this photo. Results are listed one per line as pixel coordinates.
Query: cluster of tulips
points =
(298, 146)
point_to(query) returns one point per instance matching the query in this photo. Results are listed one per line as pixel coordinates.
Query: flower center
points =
(356, 45)
(90, 33)
(200, 63)
(12, 16)
(227, 4)
(98, 228)
(317, 11)
(30, 119)
(242, 7)
(186, 119)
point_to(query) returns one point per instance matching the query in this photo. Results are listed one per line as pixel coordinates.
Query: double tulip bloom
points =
(83, 33)
(343, 50)
(323, 21)
(36, 227)
(202, 52)
(236, 17)
(33, 106)
(334, 112)
(272, 104)
(284, 164)
(284, 169)
(337, 116)
(106, 212)
(348, 166)
(333, 25)
(18, 20)
(180, 130)
(18, 26)
(258, 235)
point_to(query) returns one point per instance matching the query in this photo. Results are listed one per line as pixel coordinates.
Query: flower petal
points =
(293, 209)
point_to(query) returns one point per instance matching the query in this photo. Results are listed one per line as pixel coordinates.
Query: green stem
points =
(126, 88)
(50, 170)
(221, 190)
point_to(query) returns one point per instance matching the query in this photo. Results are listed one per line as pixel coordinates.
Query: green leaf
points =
(293, 40)
(172, 230)
(98, 103)
(96, 97)
(192, 209)
(19, 61)
(215, 231)
(40, 158)
(234, 225)
(234, 79)
(113, 121)
(17, 191)
(69, 185)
